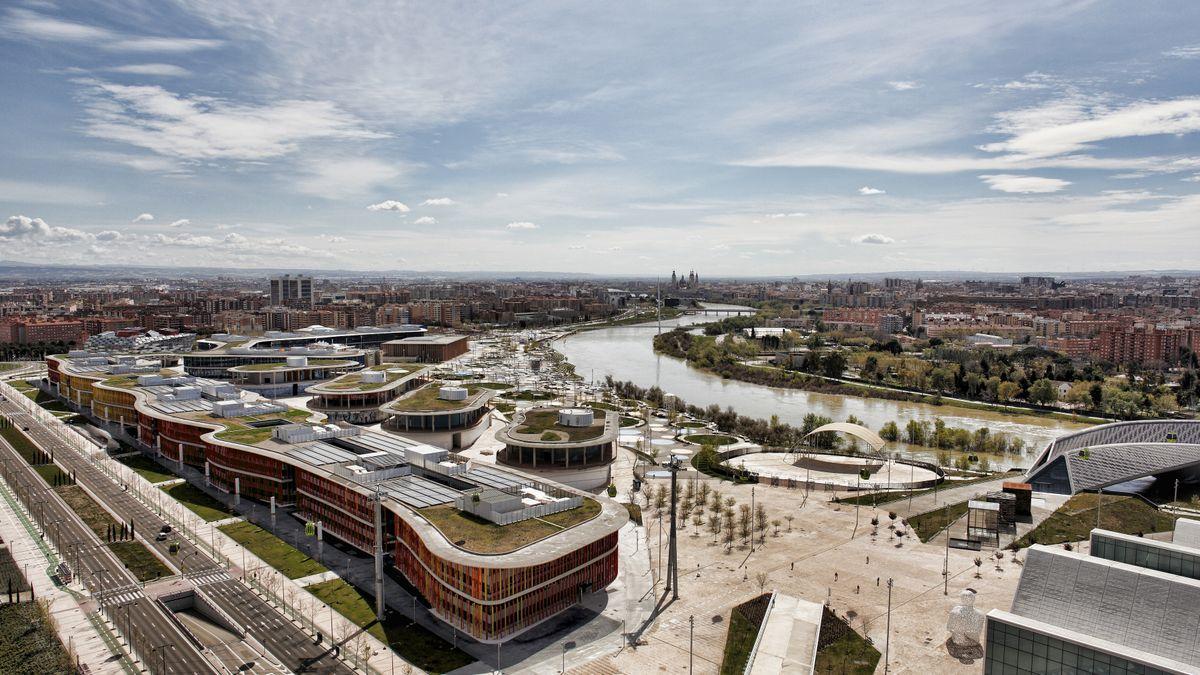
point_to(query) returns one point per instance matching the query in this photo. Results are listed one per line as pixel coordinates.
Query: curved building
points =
(442, 414)
(1110, 454)
(453, 525)
(357, 398)
(572, 446)
(290, 377)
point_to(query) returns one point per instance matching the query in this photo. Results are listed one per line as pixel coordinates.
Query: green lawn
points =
(1074, 520)
(630, 422)
(51, 473)
(842, 650)
(139, 560)
(28, 643)
(691, 425)
(20, 443)
(148, 468)
(744, 622)
(481, 536)
(9, 366)
(200, 503)
(710, 439)
(272, 550)
(412, 642)
(542, 422)
(928, 525)
(88, 510)
(426, 399)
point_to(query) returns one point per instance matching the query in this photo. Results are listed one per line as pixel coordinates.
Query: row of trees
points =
(722, 516)
(33, 351)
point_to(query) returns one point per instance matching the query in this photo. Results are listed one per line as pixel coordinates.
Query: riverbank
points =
(677, 342)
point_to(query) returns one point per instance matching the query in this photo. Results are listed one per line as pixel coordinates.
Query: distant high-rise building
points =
(292, 291)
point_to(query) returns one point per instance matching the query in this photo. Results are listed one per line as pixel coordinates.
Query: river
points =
(626, 353)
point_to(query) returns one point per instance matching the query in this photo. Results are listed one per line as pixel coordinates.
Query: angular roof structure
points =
(1143, 611)
(1115, 453)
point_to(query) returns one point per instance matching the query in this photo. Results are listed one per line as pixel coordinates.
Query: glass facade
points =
(580, 457)
(1013, 650)
(1146, 553)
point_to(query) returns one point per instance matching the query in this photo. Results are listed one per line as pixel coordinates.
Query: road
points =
(161, 644)
(285, 641)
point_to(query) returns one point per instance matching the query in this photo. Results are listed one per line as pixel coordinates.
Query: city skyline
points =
(786, 140)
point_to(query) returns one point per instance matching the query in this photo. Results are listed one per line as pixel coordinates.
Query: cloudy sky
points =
(772, 138)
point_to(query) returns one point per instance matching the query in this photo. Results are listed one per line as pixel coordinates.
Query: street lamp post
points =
(691, 640)
(887, 640)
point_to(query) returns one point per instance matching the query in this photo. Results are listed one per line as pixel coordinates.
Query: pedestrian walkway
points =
(85, 633)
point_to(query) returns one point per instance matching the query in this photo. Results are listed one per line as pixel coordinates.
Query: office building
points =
(291, 291)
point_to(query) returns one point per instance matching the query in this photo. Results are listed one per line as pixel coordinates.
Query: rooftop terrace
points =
(477, 535)
(426, 399)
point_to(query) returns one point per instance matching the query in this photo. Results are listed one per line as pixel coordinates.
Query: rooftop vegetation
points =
(477, 535)
(426, 399)
(544, 422)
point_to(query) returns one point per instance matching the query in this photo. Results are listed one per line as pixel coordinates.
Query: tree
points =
(833, 365)
(1008, 391)
(789, 517)
(1043, 392)
(761, 579)
(775, 524)
(889, 432)
(745, 522)
(978, 565)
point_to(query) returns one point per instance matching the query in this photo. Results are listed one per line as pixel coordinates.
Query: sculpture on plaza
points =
(966, 622)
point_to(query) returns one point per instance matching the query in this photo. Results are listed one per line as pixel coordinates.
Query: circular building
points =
(442, 414)
(292, 377)
(359, 397)
(572, 446)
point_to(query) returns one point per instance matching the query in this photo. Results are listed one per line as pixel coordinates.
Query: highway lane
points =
(286, 642)
(163, 647)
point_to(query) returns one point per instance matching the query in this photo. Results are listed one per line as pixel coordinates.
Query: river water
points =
(626, 353)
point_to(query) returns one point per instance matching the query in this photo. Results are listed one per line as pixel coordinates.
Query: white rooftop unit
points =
(373, 377)
(227, 408)
(425, 456)
(297, 361)
(305, 433)
(452, 393)
(576, 417)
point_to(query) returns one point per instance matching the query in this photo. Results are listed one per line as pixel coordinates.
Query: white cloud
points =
(438, 201)
(1185, 52)
(206, 128)
(867, 190)
(501, 195)
(143, 218)
(425, 220)
(1007, 182)
(182, 222)
(39, 27)
(521, 225)
(24, 228)
(575, 247)
(109, 235)
(875, 238)
(1074, 124)
(903, 85)
(1194, 178)
(152, 69)
(793, 214)
(332, 238)
(341, 178)
(390, 205)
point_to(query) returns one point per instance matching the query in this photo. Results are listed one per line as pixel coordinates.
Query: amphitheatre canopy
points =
(860, 432)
